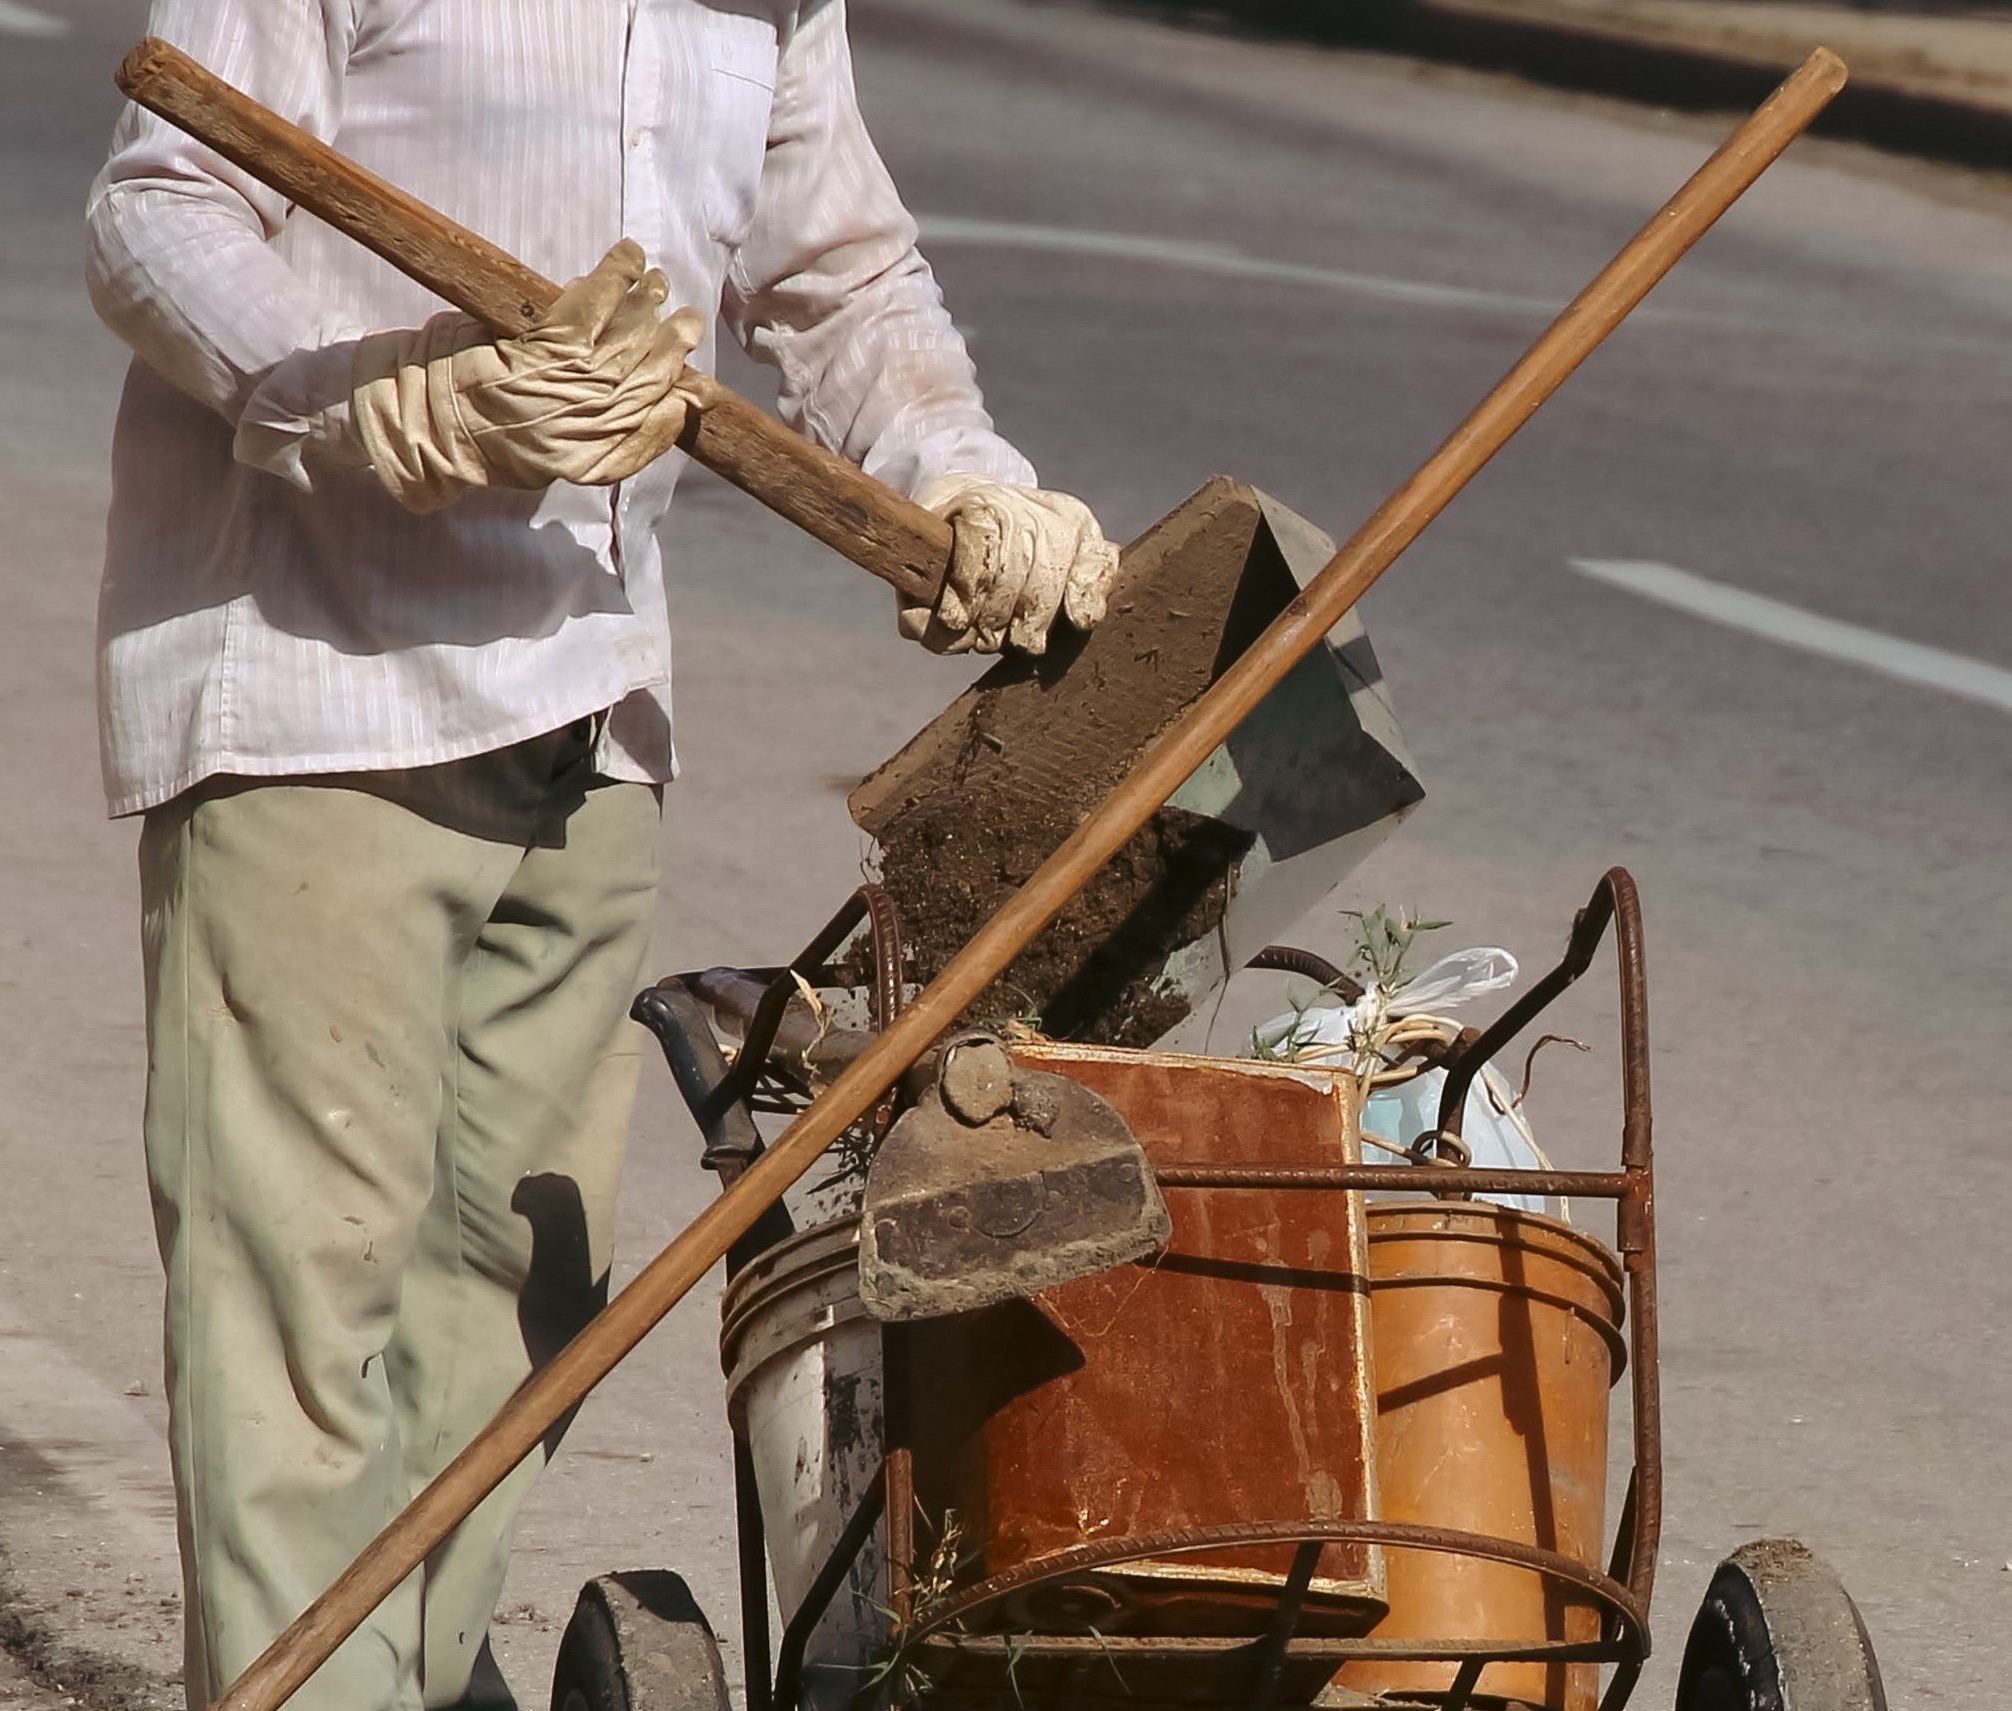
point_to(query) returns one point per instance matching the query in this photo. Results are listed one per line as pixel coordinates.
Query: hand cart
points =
(1252, 1609)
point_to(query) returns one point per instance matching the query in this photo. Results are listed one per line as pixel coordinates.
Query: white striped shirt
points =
(267, 608)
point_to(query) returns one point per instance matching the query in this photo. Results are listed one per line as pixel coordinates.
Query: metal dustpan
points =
(1278, 816)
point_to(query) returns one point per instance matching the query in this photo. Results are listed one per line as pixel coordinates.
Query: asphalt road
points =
(1178, 255)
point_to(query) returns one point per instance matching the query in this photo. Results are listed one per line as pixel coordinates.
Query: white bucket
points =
(802, 1360)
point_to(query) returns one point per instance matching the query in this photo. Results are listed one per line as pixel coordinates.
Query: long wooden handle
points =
(843, 507)
(623, 1323)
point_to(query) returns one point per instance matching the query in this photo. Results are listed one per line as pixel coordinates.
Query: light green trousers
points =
(389, 1077)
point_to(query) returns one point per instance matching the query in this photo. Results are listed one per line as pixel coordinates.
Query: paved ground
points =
(1178, 255)
(21, 1692)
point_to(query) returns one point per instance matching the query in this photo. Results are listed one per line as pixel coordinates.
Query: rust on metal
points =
(987, 1623)
(1617, 903)
(1402, 1179)
(1619, 1598)
(1122, 1645)
(1629, 1613)
(1221, 1384)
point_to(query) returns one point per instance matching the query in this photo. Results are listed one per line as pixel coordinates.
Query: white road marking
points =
(1854, 334)
(18, 20)
(1911, 662)
(1220, 258)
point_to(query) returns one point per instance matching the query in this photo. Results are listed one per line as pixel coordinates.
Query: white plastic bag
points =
(1398, 1112)
(1492, 1128)
(1323, 1032)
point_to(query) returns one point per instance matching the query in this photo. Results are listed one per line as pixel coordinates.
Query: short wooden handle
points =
(843, 507)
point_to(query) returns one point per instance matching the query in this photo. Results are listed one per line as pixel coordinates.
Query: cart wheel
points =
(638, 1642)
(1778, 1632)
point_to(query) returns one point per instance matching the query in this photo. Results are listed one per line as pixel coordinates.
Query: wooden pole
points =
(584, 1362)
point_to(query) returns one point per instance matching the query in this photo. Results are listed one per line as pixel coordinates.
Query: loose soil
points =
(983, 795)
(1092, 974)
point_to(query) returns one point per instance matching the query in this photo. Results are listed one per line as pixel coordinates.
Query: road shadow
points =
(1558, 56)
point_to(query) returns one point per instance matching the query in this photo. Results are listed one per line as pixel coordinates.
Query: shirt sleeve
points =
(179, 256)
(828, 286)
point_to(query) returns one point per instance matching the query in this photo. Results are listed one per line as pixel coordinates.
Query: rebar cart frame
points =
(723, 1100)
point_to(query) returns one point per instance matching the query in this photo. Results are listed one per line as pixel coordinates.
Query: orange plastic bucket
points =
(1496, 1338)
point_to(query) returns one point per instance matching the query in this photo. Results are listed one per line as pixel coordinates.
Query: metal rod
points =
(898, 1466)
(1401, 1178)
(520, 1426)
(1120, 1646)
(767, 1019)
(1637, 1235)
(1408, 1535)
(1627, 1672)
(844, 1553)
(1461, 1692)
(1616, 902)
(1589, 926)
(1622, 1558)
(1292, 1599)
(751, 1540)
(1309, 965)
(671, 1012)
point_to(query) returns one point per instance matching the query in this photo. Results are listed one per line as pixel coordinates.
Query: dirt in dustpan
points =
(1092, 975)
(982, 796)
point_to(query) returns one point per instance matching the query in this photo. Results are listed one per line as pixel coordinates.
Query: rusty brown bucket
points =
(1496, 1338)
(1195, 1398)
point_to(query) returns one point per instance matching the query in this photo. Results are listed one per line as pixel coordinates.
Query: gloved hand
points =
(1021, 556)
(586, 395)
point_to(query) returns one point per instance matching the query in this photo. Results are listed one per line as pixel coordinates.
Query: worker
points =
(385, 667)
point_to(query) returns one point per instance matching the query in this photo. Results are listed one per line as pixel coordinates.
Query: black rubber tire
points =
(638, 1642)
(1778, 1632)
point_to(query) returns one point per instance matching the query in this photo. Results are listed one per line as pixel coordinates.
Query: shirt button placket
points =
(637, 61)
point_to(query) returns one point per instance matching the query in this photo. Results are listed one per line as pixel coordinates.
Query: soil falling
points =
(1093, 974)
(967, 811)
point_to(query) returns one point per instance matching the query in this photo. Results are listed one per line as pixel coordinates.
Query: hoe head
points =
(1277, 817)
(1000, 1182)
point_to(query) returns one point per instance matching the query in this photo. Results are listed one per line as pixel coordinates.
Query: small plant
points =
(1299, 1036)
(1383, 945)
(851, 1157)
(899, 1680)
(1021, 1024)
(938, 1579)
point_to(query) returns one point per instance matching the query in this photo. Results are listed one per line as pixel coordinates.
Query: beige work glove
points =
(1021, 556)
(587, 395)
